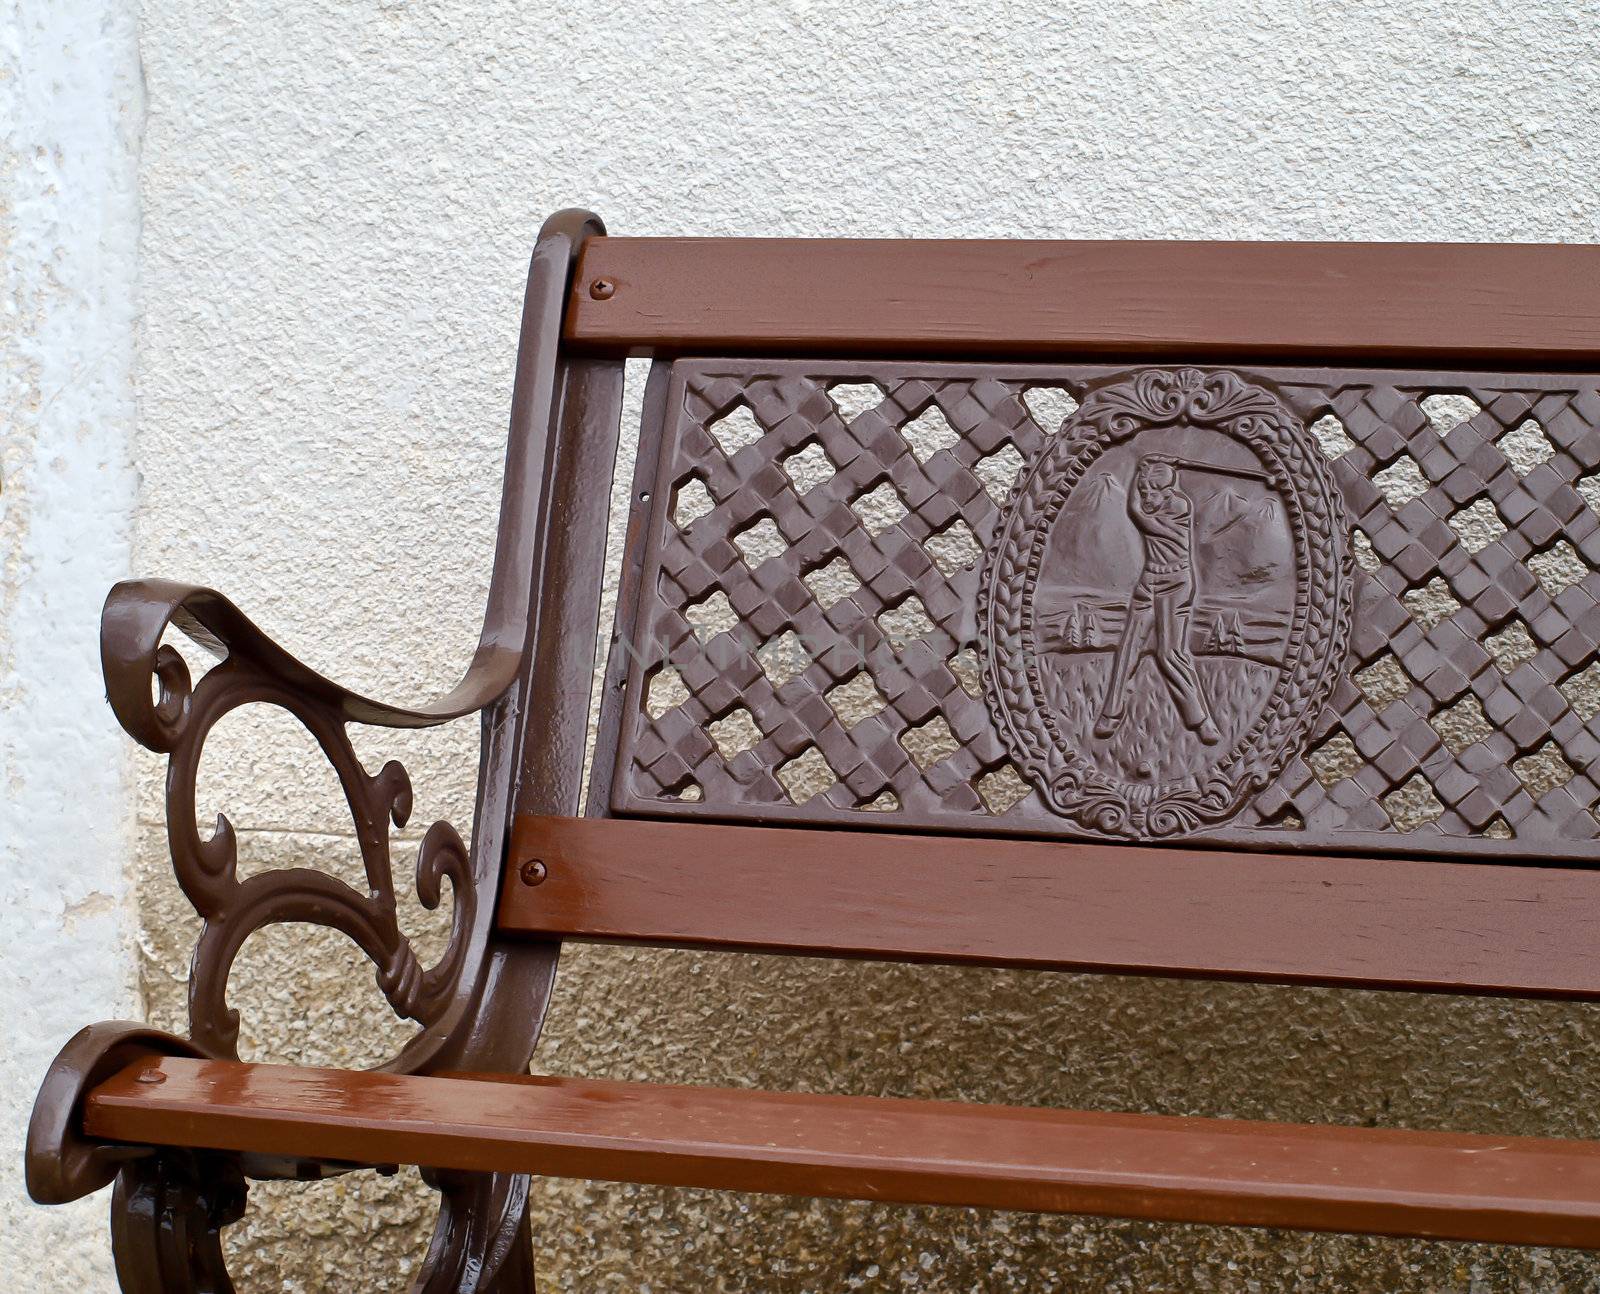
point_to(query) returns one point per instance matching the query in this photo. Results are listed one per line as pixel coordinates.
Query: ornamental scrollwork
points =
(156, 700)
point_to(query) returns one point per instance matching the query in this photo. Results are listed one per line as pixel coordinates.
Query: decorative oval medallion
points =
(1165, 603)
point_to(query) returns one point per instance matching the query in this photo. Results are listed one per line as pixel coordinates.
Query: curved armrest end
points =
(62, 1164)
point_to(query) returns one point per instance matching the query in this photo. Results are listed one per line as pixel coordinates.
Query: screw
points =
(602, 289)
(534, 872)
(151, 1076)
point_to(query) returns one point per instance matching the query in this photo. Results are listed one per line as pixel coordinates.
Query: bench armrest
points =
(163, 708)
(149, 687)
(190, 1193)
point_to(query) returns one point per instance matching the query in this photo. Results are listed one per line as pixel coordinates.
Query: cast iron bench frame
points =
(179, 1123)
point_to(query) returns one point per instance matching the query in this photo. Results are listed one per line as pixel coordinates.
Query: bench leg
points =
(516, 1275)
(167, 1215)
(481, 1242)
(168, 1211)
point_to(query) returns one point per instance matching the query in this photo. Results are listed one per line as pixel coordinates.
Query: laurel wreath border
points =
(1319, 631)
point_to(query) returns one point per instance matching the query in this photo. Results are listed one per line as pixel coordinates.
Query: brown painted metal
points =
(168, 1212)
(533, 759)
(1443, 1185)
(1212, 914)
(62, 1164)
(631, 591)
(481, 1005)
(559, 671)
(1167, 499)
(672, 763)
(1359, 302)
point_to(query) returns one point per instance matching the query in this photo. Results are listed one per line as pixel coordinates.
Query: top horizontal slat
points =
(1464, 303)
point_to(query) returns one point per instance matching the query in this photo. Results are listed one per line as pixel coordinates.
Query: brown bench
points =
(1121, 607)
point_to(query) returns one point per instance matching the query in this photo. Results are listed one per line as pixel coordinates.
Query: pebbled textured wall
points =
(338, 204)
(70, 110)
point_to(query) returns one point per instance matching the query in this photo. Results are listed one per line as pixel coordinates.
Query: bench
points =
(1099, 607)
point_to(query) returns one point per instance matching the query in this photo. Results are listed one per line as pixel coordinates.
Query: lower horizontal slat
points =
(1053, 905)
(1464, 1187)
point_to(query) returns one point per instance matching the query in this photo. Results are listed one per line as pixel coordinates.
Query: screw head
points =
(602, 289)
(151, 1076)
(534, 872)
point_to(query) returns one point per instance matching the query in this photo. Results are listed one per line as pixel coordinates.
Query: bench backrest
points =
(1016, 543)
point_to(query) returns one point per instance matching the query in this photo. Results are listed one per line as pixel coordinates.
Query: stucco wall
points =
(70, 107)
(338, 203)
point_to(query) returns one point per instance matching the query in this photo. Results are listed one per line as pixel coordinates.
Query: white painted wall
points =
(338, 202)
(71, 105)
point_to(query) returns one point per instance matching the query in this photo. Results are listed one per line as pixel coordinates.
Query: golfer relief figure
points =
(1162, 600)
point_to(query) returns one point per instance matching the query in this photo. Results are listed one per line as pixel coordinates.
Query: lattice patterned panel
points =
(806, 639)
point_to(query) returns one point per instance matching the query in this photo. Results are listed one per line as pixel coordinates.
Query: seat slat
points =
(1464, 1187)
(1369, 923)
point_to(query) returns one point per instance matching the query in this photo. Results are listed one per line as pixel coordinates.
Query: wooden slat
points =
(1352, 302)
(1463, 1187)
(1371, 923)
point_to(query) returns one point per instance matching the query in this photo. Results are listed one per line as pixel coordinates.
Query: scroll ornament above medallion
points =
(1166, 603)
